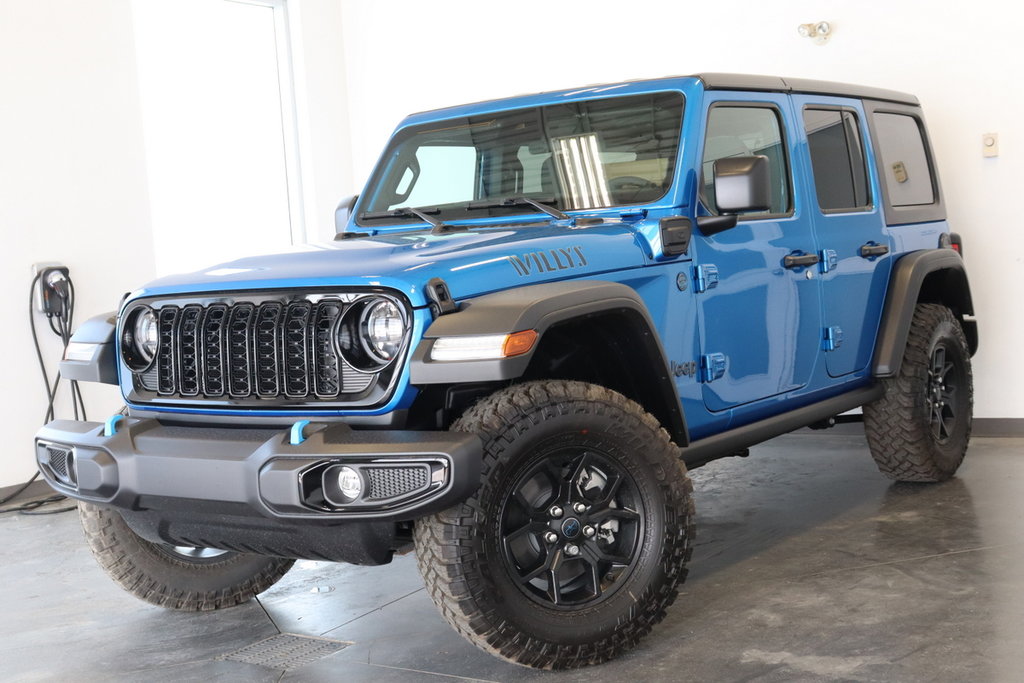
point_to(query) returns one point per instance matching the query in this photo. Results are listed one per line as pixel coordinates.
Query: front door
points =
(760, 322)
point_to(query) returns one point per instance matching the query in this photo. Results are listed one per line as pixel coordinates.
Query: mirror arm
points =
(712, 225)
(342, 214)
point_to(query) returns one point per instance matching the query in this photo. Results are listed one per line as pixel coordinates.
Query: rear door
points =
(759, 320)
(850, 228)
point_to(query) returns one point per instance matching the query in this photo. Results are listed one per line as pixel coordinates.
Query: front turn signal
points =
(518, 343)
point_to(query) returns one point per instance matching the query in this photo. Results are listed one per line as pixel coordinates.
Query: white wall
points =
(963, 61)
(74, 183)
(323, 111)
(72, 188)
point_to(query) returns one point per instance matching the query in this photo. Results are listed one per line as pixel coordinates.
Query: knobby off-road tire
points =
(174, 579)
(919, 430)
(565, 464)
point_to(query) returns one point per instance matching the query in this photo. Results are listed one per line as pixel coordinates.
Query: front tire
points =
(919, 430)
(575, 543)
(186, 579)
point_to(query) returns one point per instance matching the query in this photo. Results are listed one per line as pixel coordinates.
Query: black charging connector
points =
(54, 289)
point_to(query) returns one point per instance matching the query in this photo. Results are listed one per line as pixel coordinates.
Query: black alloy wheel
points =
(570, 526)
(943, 379)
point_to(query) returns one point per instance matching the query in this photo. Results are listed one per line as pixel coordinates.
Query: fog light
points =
(349, 483)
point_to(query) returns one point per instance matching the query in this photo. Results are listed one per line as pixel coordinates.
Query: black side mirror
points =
(743, 184)
(344, 212)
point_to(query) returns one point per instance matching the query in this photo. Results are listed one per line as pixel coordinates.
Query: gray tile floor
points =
(809, 566)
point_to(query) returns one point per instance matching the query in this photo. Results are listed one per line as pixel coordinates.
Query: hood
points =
(472, 262)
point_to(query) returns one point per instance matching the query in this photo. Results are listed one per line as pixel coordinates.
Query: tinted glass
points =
(746, 131)
(578, 155)
(905, 163)
(837, 159)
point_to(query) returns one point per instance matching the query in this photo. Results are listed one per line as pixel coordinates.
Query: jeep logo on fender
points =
(548, 261)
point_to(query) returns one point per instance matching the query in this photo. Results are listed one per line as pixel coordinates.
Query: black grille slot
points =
(268, 367)
(256, 351)
(296, 359)
(326, 377)
(213, 349)
(165, 372)
(391, 482)
(188, 350)
(239, 344)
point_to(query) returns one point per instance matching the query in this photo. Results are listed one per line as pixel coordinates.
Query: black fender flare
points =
(539, 307)
(936, 275)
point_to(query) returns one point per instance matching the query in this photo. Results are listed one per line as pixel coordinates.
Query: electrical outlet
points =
(42, 294)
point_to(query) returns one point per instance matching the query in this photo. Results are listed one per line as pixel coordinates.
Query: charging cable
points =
(58, 303)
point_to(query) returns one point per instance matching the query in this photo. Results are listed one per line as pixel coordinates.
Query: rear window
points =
(905, 162)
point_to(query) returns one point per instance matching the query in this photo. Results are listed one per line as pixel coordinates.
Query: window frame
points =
(866, 208)
(918, 213)
(787, 158)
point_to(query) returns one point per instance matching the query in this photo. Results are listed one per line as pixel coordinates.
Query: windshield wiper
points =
(542, 204)
(423, 213)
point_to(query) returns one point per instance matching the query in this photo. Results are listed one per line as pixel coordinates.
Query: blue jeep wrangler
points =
(538, 314)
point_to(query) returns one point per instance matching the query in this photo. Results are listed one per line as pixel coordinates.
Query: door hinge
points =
(832, 339)
(705, 277)
(829, 260)
(712, 366)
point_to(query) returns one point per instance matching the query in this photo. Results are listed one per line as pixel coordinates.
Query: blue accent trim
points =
(297, 436)
(110, 426)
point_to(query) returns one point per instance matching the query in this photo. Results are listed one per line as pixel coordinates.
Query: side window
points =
(444, 175)
(905, 163)
(837, 159)
(735, 131)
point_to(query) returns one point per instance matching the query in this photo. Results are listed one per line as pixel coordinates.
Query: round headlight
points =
(383, 329)
(146, 334)
(372, 333)
(140, 337)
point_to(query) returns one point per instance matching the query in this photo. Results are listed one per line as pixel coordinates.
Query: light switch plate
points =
(990, 145)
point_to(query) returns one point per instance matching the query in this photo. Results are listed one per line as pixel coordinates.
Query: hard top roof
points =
(728, 81)
(723, 81)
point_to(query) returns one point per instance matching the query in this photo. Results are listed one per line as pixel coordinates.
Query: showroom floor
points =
(809, 565)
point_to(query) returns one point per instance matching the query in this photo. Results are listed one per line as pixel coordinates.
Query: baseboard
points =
(36, 489)
(998, 426)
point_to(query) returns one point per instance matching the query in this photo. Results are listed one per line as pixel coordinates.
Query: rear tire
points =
(187, 579)
(920, 428)
(574, 544)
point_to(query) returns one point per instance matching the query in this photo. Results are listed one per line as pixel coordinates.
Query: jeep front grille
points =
(256, 350)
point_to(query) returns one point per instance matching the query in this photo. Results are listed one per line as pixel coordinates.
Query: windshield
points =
(577, 155)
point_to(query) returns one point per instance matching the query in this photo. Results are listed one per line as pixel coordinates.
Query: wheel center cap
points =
(571, 527)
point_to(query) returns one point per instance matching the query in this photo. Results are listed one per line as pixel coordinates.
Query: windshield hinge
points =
(633, 214)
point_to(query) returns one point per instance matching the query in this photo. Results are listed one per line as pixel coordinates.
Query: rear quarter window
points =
(905, 166)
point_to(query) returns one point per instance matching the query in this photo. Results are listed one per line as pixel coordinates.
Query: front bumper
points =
(253, 490)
